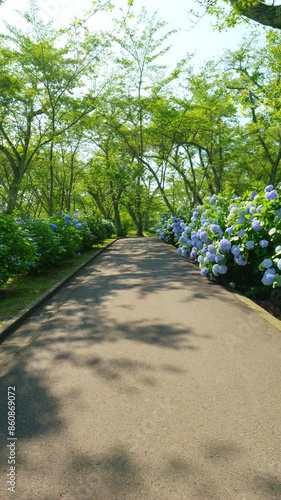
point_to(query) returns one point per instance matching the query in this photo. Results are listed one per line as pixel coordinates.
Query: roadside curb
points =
(16, 320)
(275, 322)
(259, 310)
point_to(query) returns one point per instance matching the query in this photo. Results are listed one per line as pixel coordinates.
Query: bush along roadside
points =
(32, 245)
(235, 241)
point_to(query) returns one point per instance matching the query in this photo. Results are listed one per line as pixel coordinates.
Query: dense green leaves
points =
(96, 122)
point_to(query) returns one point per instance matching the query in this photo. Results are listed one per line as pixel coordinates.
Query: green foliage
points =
(17, 249)
(38, 244)
(49, 250)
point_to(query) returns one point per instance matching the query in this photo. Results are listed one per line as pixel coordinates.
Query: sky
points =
(199, 38)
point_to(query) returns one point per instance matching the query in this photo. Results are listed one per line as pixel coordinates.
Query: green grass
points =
(133, 234)
(20, 291)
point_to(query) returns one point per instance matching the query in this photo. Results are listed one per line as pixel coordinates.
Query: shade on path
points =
(139, 380)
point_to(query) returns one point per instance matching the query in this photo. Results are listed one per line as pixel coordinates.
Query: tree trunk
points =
(12, 197)
(117, 220)
(139, 226)
(268, 15)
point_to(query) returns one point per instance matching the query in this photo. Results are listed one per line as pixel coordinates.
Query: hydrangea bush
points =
(36, 244)
(235, 241)
(17, 249)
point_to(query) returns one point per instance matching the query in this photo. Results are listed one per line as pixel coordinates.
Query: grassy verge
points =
(20, 291)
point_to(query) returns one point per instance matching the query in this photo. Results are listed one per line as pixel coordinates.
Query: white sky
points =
(199, 38)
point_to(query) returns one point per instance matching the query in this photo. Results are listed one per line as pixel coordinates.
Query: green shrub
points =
(17, 249)
(50, 251)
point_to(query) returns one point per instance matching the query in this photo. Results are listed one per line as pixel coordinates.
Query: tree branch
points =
(268, 15)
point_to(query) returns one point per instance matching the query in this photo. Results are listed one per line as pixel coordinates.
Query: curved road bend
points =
(139, 380)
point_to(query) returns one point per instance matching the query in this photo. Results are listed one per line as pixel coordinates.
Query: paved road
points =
(142, 381)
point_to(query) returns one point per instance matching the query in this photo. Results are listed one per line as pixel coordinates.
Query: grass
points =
(20, 291)
(133, 234)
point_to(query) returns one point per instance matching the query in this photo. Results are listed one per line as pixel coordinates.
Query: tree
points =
(43, 96)
(109, 175)
(265, 13)
(253, 76)
(139, 43)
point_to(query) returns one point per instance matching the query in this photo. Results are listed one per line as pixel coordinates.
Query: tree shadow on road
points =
(75, 324)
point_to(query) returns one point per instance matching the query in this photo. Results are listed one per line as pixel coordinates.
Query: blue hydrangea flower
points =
(259, 209)
(200, 259)
(183, 240)
(203, 235)
(215, 228)
(278, 213)
(252, 195)
(75, 221)
(241, 233)
(216, 269)
(278, 249)
(270, 270)
(184, 253)
(241, 219)
(229, 230)
(269, 188)
(272, 195)
(252, 210)
(182, 225)
(79, 254)
(250, 244)
(235, 250)
(224, 245)
(210, 256)
(263, 243)
(187, 229)
(223, 269)
(266, 263)
(206, 261)
(53, 226)
(193, 253)
(212, 249)
(268, 277)
(256, 225)
(79, 225)
(219, 257)
(204, 271)
(241, 260)
(213, 199)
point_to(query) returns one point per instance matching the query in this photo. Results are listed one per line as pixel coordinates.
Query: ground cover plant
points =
(234, 240)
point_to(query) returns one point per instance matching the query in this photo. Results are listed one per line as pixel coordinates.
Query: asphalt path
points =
(139, 380)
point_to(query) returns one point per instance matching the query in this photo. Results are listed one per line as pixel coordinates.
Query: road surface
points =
(139, 380)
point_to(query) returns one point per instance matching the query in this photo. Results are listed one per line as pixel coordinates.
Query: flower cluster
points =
(35, 244)
(233, 240)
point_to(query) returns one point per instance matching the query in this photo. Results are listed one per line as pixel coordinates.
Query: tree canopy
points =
(265, 13)
(94, 121)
